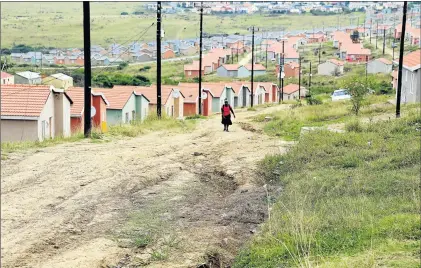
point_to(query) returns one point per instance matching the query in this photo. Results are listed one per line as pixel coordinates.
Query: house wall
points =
(243, 72)
(411, 86)
(129, 108)
(171, 109)
(294, 95)
(189, 109)
(259, 96)
(16, 130)
(377, 66)
(101, 111)
(76, 124)
(48, 112)
(240, 97)
(142, 107)
(356, 58)
(21, 80)
(191, 74)
(8, 81)
(328, 68)
(114, 117)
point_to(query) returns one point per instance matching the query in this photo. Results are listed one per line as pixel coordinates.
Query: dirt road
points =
(160, 200)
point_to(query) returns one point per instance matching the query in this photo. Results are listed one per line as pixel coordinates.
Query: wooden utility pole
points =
(200, 59)
(309, 79)
(299, 78)
(158, 59)
(384, 40)
(87, 70)
(377, 32)
(402, 47)
(371, 28)
(252, 66)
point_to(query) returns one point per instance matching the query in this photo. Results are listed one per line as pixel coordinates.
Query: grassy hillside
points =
(348, 199)
(60, 24)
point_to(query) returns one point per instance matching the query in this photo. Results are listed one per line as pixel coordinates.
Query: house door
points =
(177, 107)
(244, 97)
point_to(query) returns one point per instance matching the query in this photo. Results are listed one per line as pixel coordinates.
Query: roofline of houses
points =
(18, 117)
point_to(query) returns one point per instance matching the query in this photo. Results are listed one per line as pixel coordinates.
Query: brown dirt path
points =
(196, 195)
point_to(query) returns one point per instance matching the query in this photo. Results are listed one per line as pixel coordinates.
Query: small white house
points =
(331, 67)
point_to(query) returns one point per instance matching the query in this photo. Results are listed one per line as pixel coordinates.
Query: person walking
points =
(226, 111)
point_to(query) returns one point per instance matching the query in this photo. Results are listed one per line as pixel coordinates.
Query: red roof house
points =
(77, 115)
(34, 112)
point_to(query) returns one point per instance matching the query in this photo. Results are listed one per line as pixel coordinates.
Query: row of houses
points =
(39, 112)
(58, 80)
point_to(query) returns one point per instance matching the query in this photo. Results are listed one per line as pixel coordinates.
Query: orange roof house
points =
(98, 101)
(171, 102)
(291, 91)
(125, 104)
(34, 112)
(190, 92)
(411, 77)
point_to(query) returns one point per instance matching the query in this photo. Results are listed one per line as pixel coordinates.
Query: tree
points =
(124, 13)
(336, 71)
(358, 87)
(122, 65)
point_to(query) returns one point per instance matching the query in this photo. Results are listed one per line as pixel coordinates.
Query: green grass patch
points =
(349, 200)
(288, 123)
(9, 147)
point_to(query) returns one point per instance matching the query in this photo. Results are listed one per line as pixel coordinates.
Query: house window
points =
(189, 72)
(4, 81)
(127, 118)
(133, 115)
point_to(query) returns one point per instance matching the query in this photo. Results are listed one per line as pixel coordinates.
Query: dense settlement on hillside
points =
(36, 107)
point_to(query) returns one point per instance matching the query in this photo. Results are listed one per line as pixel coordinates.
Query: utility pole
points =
(371, 27)
(280, 79)
(320, 51)
(266, 54)
(299, 78)
(200, 59)
(398, 93)
(282, 64)
(87, 71)
(366, 68)
(377, 32)
(309, 79)
(158, 58)
(252, 65)
(384, 40)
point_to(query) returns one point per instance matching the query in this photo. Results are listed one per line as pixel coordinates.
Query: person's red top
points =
(226, 110)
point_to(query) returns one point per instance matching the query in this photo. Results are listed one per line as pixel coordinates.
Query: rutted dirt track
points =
(83, 204)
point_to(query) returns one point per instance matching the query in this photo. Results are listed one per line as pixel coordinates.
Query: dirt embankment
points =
(157, 200)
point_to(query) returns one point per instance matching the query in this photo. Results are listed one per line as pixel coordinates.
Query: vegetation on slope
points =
(348, 200)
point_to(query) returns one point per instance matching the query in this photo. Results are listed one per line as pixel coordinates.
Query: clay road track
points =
(195, 196)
